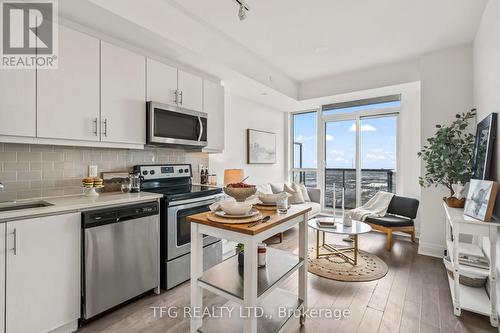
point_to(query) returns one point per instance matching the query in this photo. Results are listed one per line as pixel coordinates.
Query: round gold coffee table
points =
(356, 229)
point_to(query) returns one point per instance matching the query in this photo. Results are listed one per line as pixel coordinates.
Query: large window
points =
(355, 149)
(360, 149)
(305, 148)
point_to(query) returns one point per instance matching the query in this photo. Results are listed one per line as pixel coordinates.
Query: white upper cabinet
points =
(190, 91)
(17, 102)
(161, 82)
(123, 95)
(213, 105)
(42, 273)
(68, 97)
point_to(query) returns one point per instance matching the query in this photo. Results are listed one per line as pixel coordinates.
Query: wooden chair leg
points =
(281, 237)
(388, 246)
(413, 235)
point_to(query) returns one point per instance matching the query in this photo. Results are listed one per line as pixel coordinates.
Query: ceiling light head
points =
(244, 8)
(242, 14)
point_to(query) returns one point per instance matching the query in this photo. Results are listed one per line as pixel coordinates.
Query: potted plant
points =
(240, 248)
(448, 157)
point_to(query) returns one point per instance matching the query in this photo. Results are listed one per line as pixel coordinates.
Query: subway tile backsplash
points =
(34, 171)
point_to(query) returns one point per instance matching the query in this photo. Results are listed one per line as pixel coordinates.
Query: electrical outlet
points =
(93, 171)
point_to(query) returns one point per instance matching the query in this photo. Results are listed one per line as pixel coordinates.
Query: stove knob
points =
(186, 170)
(145, 172)
(181, 171)
(151, 172)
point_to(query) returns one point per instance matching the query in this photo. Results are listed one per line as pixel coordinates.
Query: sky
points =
(378, 141)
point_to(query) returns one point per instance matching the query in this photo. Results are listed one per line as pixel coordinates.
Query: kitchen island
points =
(253, 294)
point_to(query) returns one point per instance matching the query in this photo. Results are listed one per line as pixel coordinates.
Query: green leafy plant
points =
(240, 247)
(448, 154)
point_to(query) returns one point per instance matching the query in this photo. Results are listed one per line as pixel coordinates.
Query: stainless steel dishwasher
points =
(120, 255)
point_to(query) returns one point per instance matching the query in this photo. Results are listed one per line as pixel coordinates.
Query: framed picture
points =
(261, 147)
(483, 148)
(480, 199)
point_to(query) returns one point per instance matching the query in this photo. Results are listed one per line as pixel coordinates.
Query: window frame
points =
(357, 116)
(292, 169)
(322, 119)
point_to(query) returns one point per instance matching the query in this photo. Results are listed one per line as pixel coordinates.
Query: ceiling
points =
(287, 53)
(308, 40)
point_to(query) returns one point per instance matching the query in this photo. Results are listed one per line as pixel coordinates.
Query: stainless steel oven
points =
(176, 268)
(173, 126)
(179, 230)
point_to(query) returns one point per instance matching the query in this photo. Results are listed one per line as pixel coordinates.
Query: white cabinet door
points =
(161, 82)
(68, 97)
(17, 102)
(123, 95)
(191, 91)
(43, 273)
(213, 105)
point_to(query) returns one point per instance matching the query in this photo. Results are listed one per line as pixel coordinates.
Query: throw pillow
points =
(296, 196)
(302, 188)
(264, 188)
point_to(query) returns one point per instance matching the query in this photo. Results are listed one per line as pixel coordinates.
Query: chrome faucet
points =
(2, 186)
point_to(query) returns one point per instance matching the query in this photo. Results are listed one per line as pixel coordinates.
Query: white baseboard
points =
(430, 249)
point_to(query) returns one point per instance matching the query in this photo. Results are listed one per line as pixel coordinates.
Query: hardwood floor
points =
(414, 296)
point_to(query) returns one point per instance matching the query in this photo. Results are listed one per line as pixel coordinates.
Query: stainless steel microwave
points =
(172, 126)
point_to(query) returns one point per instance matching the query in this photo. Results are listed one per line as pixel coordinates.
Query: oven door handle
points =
(189, 204)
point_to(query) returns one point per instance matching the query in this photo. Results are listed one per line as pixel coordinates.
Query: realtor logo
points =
(29, 34)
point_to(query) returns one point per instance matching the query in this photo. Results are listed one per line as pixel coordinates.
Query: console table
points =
(250, 288)
(464, 297)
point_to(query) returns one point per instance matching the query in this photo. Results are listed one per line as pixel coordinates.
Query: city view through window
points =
(378, 155)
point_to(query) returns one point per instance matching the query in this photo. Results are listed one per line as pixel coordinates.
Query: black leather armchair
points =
(400, 217)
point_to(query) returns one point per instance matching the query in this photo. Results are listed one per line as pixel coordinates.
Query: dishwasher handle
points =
(95, 218)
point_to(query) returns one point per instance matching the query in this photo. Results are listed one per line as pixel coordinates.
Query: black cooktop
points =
(183, 192)
(174, 181)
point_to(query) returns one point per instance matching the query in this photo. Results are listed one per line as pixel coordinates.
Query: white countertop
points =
(75, 203)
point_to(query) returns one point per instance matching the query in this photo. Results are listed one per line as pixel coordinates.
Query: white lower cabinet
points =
(42, 273)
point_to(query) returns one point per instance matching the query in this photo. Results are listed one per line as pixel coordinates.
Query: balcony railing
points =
(372, 181)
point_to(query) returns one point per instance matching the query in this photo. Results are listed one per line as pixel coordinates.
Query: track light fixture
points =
(244, 8)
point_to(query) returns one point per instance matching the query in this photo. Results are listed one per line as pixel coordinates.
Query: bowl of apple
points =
(240, 191)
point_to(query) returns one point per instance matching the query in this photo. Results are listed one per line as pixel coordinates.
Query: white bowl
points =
(235, 208)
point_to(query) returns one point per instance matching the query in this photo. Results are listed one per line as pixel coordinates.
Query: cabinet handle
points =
(105, 127)
(201, 129)
(176, 96)
(182, 98)
(95, 121)
(14, 249)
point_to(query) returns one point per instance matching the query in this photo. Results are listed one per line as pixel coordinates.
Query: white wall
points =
(487, 73)
(487, 83)
(242, 114)
(446, 89)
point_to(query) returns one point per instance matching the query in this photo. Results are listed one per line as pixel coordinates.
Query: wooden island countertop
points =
(276, 219)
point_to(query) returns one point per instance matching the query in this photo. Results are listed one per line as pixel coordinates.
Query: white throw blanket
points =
(377, 206)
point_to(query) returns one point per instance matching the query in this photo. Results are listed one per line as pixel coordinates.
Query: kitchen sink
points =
(8, 206)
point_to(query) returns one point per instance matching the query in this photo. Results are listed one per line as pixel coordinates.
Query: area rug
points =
(369, 267)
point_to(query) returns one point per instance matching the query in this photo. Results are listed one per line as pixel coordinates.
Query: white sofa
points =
(314, 194)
